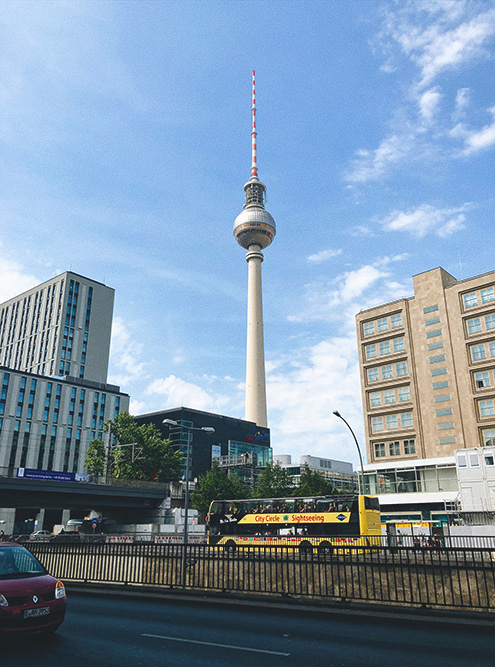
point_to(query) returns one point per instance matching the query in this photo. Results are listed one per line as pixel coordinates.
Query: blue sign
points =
(52, 475)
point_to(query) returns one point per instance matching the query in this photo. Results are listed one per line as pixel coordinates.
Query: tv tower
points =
(254, 230)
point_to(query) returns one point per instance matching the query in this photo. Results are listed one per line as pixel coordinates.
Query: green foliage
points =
(313, 483)
(140, 452)
(95, 457)
(217, 485)
(274, 482)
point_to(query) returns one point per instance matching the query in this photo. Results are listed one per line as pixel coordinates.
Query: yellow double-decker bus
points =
(321, 523)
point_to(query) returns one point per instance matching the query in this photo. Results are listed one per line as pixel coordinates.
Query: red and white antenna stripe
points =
(254, 164)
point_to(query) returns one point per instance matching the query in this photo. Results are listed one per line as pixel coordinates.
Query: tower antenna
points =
(254, 163)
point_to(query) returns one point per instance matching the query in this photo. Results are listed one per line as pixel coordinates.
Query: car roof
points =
(11, 544)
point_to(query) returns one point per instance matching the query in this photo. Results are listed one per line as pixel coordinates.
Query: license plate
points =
(39, 611)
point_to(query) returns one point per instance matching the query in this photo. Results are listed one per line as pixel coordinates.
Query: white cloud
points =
(462, 101)
(372, 165)
(323, 255)
(178, 392)
(429, 103)
(427, 219)
(14, 279)
(125, 355)
(475, 140)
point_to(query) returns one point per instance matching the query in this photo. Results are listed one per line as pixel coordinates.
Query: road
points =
(108, 631)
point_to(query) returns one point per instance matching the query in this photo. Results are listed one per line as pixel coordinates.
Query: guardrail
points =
(453, 578)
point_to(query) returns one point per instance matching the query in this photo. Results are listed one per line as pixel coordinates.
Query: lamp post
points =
(360, 476)
(189, 429)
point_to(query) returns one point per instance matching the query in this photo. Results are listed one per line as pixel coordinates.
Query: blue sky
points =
(125, 145)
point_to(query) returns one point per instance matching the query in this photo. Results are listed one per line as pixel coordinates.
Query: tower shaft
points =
(255, 351)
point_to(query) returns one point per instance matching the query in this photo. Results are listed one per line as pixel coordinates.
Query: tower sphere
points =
(254, 226)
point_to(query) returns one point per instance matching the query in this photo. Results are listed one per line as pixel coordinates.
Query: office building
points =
(428, 369)
(59, 328)
(339, 473)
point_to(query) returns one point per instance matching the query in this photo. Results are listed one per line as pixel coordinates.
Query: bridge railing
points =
(449, 577)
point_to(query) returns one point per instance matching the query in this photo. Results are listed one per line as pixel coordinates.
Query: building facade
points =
(59, 328)
(339, 473)
(232, 438)
(427, 366)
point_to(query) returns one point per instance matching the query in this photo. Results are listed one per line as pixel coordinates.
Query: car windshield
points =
(17, 562)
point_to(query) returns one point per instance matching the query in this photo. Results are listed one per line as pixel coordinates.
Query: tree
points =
(217, 485)
(274, 482)
(140, 452)
(95, 457)
(313, 483)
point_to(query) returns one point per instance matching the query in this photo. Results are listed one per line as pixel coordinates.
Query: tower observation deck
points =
(254, 230)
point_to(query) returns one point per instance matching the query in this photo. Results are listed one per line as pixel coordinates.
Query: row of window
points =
(382, 324)
(478, 298)
(385, 347)
(387, 372)
(389, 396)
(482, 351)
(391, 422)
(479, 324)
(394, 448)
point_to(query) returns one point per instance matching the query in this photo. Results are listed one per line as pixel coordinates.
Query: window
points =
(404, 394)
(486, 408)
(470, 300)
(401, 368)
(369, 328)
(387, 372)
(474, 326)
(409, 447)
(394, 448)
(435, 360)
(462, 461)
(435, 320)
(489, 460)
(392, 422)
(382, 324)
(491, 347)
(396, 321)
(490, 321)
(489, 437)
(474, 460)
(398, 344)
(430, 309)
(442, 399)
(487, 295)
(379, 449)
(370, 351)
(439, 371)
(375, 399)
(440, 385)
(435, 346)
(377, 424)
(445, 426)
(433, 334)
(443, 413)
(385, 348)
(389, 396)
(447, 441)
(482, 379)
(478, 352)
(406, 420)
(372, 374)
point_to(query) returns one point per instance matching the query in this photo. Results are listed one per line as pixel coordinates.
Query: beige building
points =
(427, 367)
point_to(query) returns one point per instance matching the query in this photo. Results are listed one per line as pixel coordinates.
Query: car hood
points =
(27, 585)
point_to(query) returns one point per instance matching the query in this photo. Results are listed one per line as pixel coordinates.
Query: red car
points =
(30, 599)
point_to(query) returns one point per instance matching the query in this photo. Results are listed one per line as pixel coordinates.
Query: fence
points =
(452, 578)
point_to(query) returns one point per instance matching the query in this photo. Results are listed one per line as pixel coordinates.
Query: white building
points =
(476, 475)
(339, 473)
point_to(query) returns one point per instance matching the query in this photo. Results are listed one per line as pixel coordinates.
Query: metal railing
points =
(453, 578)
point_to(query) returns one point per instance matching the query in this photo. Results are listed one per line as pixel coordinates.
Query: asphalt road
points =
(104, 631)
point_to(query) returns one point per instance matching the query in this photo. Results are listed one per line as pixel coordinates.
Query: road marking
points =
(195, 641)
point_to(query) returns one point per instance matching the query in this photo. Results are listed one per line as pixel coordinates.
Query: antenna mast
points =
(254, 164)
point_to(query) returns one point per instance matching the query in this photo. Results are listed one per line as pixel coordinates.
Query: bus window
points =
(371, 503)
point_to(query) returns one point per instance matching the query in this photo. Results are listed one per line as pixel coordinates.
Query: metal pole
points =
(360, 476)
(186, 509)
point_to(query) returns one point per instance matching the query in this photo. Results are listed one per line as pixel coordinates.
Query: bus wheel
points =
(230, 547)
(306, 548)
(325, 549)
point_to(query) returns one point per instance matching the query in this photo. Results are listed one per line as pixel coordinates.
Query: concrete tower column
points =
(255, 349)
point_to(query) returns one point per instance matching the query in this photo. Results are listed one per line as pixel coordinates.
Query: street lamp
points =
(360, 476)
(189, 429)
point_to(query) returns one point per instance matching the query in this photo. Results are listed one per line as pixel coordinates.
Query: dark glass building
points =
(232, 437)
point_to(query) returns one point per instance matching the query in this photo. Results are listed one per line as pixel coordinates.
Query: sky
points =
(125, 145)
